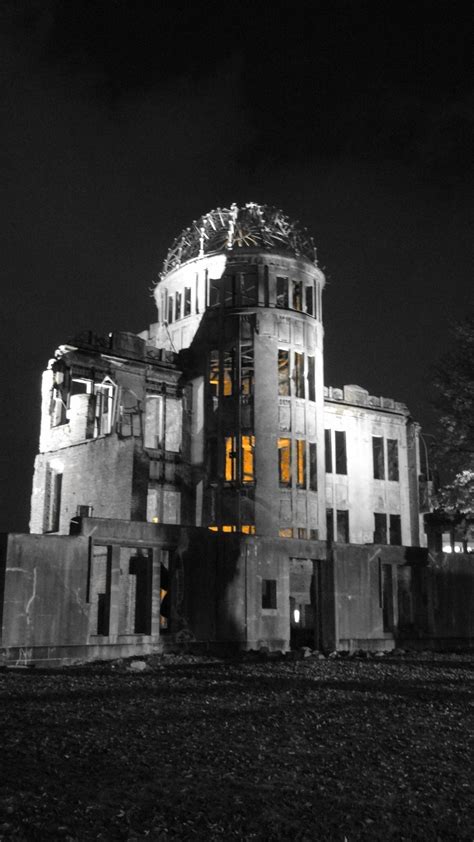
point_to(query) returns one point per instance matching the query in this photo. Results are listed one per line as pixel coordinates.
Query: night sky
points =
(124, 121)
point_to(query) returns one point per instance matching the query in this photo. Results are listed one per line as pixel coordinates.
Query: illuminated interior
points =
(284, 461)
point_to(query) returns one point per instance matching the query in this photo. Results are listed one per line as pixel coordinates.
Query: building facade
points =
(199, 483)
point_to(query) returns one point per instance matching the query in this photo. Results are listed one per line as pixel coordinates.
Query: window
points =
(341, 460)
(187, 301)
(284, 461)
(328, 451)
(140, 568)
(248, 450)
(282, 293)
(248, 289)
(309, 300)
(299, 375)
(395, 528)
(246, 369)
(392, 459)
(297, 289)
(178, 306)
(54, 484)
(230, 465)
(342, 524)
(170, 309)
(104, 393)
(300, 463)
(154, 421)
(100, 587)
(214, 372)
(313, 467)
(379, 462)
(380, 531)
(283, 372)
(214, 293)
(229, 290)
(285, 533)
(330, 524)
(269, 593)
(311, 380)
(227, 372)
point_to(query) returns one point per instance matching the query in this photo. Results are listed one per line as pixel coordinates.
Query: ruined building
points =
(216, 420)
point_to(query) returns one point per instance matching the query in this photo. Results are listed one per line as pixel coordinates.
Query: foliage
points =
(454, 382)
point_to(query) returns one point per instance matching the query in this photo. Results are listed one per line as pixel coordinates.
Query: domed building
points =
(214, 473)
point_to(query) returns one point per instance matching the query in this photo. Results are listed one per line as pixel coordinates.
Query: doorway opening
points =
(305, 603)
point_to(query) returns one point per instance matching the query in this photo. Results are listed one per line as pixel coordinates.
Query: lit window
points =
(227, 372)
(297, 288)
(214, 372)
(311, 380)
(313, 467)
(269, 593)
(392, 459)
(248, 529)
(283, 372)
(187, 301)
(285, 533)
(248, 449)
(229, 528)
(299, 375)
(282, 293)
(379, 462)
(284, 461)
(300, 463)
(230, 467)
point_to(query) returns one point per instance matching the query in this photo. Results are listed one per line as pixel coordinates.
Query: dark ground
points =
(346, 750)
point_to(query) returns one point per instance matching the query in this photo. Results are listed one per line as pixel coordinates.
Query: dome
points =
(251, 226)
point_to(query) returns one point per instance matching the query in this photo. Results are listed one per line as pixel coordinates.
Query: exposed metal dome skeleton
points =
(250, 226)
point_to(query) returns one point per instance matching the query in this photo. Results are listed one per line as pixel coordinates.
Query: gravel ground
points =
(194, 748)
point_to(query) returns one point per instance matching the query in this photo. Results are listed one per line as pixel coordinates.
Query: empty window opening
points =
(284, 461)
(378, 455)
(340, 450)
(297, 289)
(328, 451)
(309, 300)
(214, 290)
(100, 588)
(311, 380)
(392, 459)
(248, 289)
(283, 373)
(170, 309)
(313, 467)
(380, 530)
(214, 373)
(140, 569)
(187, 301)
(154, 421)
(282, 293)
(387, 597)
(300, 463)
(299, 375)
(330, 524)
(269, 593)
(103, 420)
(247, 370)
(178, 305)
(395, 529)
(342, 525)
